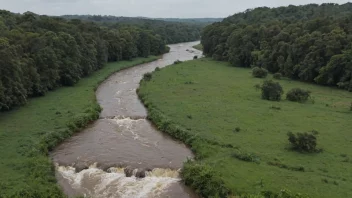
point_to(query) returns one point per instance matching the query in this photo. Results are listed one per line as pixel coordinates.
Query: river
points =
(97, 161)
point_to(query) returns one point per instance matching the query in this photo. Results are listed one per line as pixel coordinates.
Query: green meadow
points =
(28, 133)
(222, 116)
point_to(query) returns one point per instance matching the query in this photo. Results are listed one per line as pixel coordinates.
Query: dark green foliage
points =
(275, 108)
(157, 69)
(298, 95)
(177, 62)
(271, 90)
(303, 142)
(247, 157)
(259, 72)
(172, 31)
(284, 166)
(204, 179)
(277, 76)
(195, 57)
(147, 76)
(311, 43)
(237, 129)
(325, 180)
(41, 53)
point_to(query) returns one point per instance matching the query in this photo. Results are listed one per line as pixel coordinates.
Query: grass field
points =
(219, 104)
(198, 47)
(26, 134)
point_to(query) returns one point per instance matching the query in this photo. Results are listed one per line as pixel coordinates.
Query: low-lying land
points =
(240, 140)
(28, 133)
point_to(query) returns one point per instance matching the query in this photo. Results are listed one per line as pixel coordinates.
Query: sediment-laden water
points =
(122, 154)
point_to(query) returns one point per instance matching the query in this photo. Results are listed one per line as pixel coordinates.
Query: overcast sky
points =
(147, 8)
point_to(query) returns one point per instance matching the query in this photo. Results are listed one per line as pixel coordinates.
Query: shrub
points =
(271, 90)
(284, 166)
(204, 179)
(258, 72)
(275, 108)
(195, 57)
(157, 69)
(303, 142)
(147, 76)
(177, 62)
(247, 157)
(277, 76)
(298, 95)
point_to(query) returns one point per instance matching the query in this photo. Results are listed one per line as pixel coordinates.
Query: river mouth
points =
(88, 163)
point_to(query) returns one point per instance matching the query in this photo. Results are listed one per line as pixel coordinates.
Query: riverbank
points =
(240, 141)
(198, 47)
(29, 132)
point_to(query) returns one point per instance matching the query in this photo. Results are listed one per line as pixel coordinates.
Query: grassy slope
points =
(23, 130)
(210, 99)
(198, 47)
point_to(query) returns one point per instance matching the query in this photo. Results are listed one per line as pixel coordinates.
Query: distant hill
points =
(122, 19)
(171, 31)
(192, 20)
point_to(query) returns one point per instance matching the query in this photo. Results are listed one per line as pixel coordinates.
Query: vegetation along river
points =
(90, 162)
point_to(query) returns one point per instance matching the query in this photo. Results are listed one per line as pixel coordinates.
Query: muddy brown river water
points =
(94, 162)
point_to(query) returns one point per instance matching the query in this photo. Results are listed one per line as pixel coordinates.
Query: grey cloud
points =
(148, 8)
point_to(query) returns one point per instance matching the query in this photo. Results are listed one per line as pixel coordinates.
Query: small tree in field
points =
(271, 90)
(298, 95)
(258, 72)
(303, 142)
(277, 76)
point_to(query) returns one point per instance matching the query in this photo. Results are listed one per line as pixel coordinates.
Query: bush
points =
(195, 57)
(271, 90)
(259, 72)
(177, 62)
(247, 157)
(298, 95)
(147, 76)
(303, 142)
(204, 180)
(157, 69)
(277, 76)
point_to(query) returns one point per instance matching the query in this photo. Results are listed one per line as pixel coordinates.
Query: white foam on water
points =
(128, 124)
(94, 182)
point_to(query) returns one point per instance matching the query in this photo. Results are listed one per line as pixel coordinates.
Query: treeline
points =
(41, 53)
(172, 31)
(311, 43)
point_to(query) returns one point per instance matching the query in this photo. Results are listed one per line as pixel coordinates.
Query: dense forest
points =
(173, 31)
(41, 53)
(311, 43)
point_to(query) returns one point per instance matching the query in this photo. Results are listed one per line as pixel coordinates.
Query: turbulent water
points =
(87, 164)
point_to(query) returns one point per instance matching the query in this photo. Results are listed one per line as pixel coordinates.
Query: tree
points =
(303, 142)
(298, 95)
(271, 90)
(299, 42)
